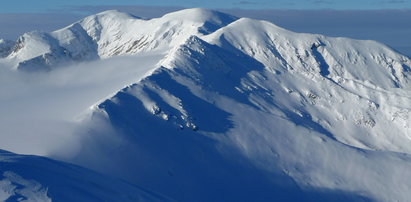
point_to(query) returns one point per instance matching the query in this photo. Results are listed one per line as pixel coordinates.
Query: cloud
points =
(140, 11)
(392, 3)
(247, 3)
(41, 112)
(322, 2)
(395, 2)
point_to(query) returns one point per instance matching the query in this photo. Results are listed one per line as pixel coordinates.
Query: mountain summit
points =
(237, 109)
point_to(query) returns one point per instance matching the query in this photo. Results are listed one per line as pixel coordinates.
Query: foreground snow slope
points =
(33, 178)
(240, 109)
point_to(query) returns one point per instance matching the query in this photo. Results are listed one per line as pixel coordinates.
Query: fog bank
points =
(40, 112)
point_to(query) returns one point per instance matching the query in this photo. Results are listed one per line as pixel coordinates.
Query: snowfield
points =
(203, 106)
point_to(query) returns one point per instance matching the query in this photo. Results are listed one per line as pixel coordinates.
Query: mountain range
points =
(226, 109)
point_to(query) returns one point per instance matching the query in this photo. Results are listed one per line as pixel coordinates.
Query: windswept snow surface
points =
(33, 178)
(224, 109)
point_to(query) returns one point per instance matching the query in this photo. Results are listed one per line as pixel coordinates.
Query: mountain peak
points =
(201, 15)
(116, 14)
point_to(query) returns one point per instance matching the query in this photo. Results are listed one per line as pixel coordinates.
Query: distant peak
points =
(196, 11)
(201, 15)
(114, 14)
(211, 20)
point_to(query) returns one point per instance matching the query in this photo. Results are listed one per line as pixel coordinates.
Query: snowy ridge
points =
(112, 33)
(36, 51)
(34, 178)
(333, 58)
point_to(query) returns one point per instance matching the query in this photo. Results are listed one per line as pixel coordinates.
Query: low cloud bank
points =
(40, 112)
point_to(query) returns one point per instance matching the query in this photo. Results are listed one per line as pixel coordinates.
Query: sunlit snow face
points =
(39, 110)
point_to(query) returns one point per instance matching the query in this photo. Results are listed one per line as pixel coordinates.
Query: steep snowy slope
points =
(321, 78)
(113, 33)
(33, 178)
(35, 51)
(258, 108)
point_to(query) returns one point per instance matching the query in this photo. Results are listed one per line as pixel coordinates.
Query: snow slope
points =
(321, 78)
(215, 115)
(239, 109)
(33, 178)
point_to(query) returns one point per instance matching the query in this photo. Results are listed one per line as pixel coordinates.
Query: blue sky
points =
(36, 6)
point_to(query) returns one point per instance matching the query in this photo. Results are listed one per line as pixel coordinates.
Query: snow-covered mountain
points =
(239, 109)
(112, 33)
